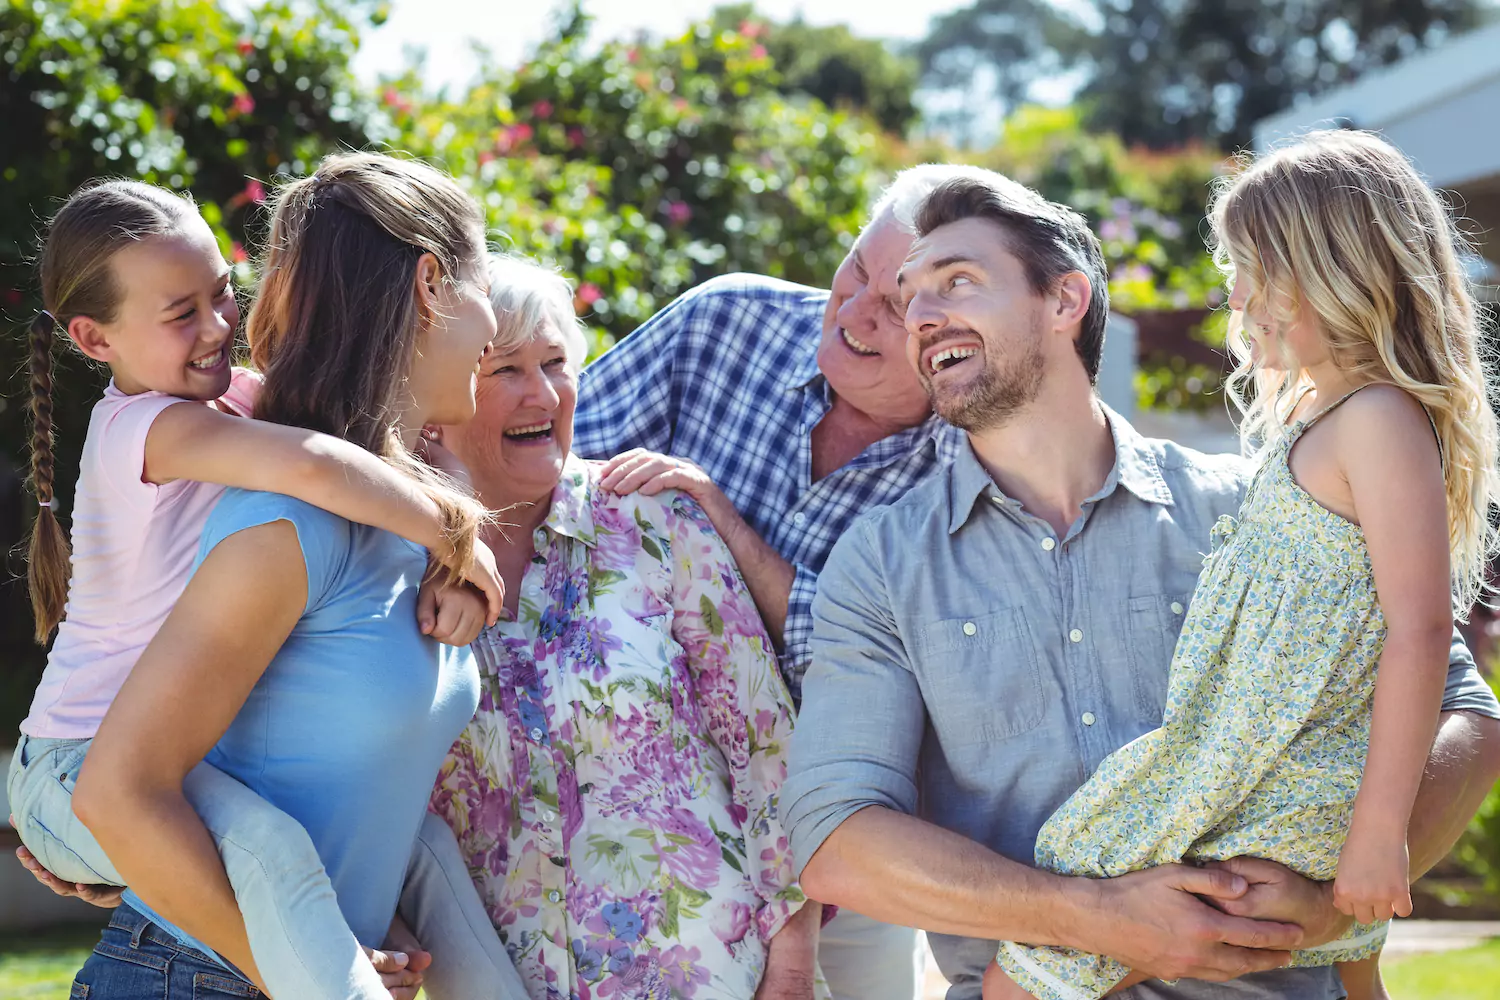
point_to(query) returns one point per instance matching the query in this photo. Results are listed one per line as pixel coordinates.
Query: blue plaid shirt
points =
(727, 377)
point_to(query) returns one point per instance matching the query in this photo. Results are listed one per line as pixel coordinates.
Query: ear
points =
(91, 339)
(427, 286)
(1073, 293)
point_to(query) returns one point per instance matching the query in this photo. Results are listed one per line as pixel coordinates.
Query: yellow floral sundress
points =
(1263, 740)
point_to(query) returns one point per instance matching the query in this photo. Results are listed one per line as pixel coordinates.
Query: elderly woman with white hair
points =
(616, 794)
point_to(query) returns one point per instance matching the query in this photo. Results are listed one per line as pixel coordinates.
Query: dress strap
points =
(1335, 405)
(1442, 456)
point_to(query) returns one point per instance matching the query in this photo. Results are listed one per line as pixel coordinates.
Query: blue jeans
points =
(301, 943)
(136, 960)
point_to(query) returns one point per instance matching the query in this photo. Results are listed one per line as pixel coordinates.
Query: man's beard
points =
(991, 397)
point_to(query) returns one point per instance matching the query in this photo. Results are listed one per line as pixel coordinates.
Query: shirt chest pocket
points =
(981, 677)
(1153, 624)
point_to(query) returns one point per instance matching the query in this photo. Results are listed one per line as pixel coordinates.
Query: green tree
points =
(834, 65)
(182, 93)
(1164, 72)
(643, 168)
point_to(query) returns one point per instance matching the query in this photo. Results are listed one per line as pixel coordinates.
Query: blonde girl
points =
(1307, 682)
(134, 277)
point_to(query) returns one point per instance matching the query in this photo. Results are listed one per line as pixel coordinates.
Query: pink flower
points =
(238, 253)
(575, 137)
(759, 52)
(681, 969)
(243, 104)
(632, 55)
(589, 293)
(679, 212)
(12, 297)
(391, 98)
(542, 109)
(246, 46)
(752, 29)
(485, 156)
(255, 191)
(732, 922)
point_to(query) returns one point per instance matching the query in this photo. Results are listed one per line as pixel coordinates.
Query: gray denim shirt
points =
(971, 668)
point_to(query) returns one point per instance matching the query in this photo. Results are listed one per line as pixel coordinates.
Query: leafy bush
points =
(644, 169)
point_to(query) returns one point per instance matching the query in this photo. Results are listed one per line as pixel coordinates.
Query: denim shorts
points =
(136, 960)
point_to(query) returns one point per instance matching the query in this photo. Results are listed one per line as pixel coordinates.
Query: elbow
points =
(824, 877)
(95, 797)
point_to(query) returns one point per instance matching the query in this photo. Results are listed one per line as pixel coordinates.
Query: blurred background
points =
(644, 147)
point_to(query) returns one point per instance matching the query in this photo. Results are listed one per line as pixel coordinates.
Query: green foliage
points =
(641, 169)
(834, 65)
(180, 93)
(1166, 72)
(1478, 851)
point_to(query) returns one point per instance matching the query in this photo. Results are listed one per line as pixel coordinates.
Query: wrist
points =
(1069, 918)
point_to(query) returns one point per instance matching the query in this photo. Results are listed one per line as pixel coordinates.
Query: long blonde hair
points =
(1341, 223)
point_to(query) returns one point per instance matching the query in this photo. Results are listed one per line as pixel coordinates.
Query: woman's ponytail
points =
(48, 562)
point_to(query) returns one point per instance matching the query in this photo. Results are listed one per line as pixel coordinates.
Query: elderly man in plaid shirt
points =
(786, 412)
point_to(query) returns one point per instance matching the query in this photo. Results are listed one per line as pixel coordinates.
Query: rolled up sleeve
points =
(1466, 690)
(859, 733)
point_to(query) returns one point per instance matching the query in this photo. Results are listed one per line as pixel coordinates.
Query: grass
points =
(41, 967)
(1472, 974)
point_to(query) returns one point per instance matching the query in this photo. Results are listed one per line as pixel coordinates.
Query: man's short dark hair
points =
(1049, 239)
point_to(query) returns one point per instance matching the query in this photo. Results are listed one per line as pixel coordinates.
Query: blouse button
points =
(554, 896)
(1076, 635)
(1048, 544)
(1176, 607)
(1089, 719)
(549, 816)
(536, 734)
(970, 628)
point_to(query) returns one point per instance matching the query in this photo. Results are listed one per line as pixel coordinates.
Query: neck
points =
(1052, 456)
(1330, 382)
(519, 516)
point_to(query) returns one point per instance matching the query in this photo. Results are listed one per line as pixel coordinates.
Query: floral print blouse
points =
(616, 794)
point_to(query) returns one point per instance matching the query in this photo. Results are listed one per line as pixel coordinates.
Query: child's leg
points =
(1362, 979)
(444, 911)
(301, 943)
(39, 789)
(999, 986)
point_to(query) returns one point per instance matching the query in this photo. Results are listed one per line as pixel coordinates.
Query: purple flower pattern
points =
(616, 794)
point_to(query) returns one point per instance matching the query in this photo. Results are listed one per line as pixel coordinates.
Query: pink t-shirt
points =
(133, 548)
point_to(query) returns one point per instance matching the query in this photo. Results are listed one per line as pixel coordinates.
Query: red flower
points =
(486, 156)
(246, 46)
(243, 104)
(589, 293)
(575, 137)
(238, 253)
(759, 52)
(255, 191)
(392, 98)
(542, 109)
(632, 54)
(12, 297)
(752, 29)
(679, 212)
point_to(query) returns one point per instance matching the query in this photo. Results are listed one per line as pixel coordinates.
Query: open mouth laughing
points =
(942, 356)
(856, 345)
(530, 433)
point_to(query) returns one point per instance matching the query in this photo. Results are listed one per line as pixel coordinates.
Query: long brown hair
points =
(335, 322)
(97, 221)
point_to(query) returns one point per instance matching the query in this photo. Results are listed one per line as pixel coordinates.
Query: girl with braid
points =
(134, 278)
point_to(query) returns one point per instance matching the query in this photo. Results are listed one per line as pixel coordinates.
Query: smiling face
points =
(862, 351)
(977, 329)
(175, 323)
(522, 429)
